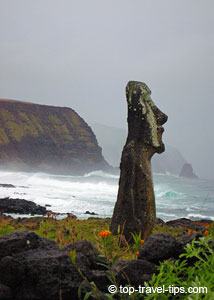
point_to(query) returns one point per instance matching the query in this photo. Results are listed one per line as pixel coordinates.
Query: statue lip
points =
(161, 129)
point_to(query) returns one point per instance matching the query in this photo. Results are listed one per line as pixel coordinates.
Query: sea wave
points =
(199, 216)
(101, 174)
(168, 194)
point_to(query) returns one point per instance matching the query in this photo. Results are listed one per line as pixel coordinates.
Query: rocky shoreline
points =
(33, 267)
(21, 206)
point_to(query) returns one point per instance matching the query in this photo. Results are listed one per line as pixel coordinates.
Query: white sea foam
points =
(164, 192)
(199, 216)
(97, 192)
(101, 174)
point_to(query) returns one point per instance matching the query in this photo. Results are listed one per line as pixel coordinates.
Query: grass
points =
(172, 273)
(69, 230)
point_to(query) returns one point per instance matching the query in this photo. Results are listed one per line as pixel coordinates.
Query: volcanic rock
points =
(133, 272)
(187, 171)
(90, 213)
(158, 247)
(7, 185)
(134, 210)
(32, 267)
(90, 263)
(21, 206)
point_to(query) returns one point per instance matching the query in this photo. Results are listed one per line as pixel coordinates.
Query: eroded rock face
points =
(187, 171)
(134, 272)
(158, 247)
(135, 207)
(32, 267)
(21, 206)
(46, 138)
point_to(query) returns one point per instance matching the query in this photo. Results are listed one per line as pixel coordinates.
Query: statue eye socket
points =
(147, 97)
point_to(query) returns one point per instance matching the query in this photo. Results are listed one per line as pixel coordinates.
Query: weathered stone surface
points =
(32, 267)
(21, 206)
(135, 207)
(159, 221)
(186, 239)
(188, 224)
(7, 185)
(133, 272)
(179, 222)
(91, 263)
(5, 292)
(86, 251)
(21, 241)
(90, 213)
(112, 140)
(158, 247)
(187, 171)
(36, 137)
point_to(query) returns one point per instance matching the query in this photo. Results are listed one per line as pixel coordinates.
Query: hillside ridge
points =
(36, 137)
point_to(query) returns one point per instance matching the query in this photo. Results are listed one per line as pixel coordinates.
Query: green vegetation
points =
(172, 273)
(191, 277)
(180, 273)
(69, 230)
(3, 137)
(64, 126)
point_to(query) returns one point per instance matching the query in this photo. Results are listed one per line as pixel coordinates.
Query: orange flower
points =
(207, 225)
(142, 241)
(189, 232)
(206, 232)
(104, 233)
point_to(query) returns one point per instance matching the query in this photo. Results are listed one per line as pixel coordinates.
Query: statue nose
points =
(163, 118)
(160, 116)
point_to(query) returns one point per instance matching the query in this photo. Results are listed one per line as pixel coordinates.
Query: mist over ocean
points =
(97, 191)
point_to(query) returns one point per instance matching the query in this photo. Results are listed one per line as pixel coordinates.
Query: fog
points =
(81, 54)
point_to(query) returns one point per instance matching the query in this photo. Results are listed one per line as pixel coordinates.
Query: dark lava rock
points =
(70, 216)
(187, 171)
(21, 206)
(186, 239)
(5, 292)
(87, 249)
(158, 247)
(187, 224)
(159, 221)
(32, 267)
(182, 243)
(6, 185)
(179, 222)
(21, 241)
(133, 272)
(91, 263)
(90, 213)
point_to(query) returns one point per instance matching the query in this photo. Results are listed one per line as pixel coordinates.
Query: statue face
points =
(142, 107)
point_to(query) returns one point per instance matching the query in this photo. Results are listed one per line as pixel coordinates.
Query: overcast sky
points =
(81, 54)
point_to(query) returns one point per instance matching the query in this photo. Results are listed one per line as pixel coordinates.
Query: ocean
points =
(97, 192)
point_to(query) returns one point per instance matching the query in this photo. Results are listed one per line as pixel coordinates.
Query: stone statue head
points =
(144, 116)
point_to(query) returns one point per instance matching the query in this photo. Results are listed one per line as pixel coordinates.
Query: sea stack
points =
(187, 171)
(135, 210)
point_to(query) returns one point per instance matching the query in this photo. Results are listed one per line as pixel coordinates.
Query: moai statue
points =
(135, 210)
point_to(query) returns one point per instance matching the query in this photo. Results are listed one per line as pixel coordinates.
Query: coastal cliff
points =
(36, 137)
